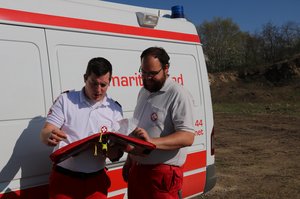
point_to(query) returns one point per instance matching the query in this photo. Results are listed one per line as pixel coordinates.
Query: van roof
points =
(42, 12)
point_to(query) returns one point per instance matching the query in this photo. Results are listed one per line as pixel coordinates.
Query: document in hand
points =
(129, 144)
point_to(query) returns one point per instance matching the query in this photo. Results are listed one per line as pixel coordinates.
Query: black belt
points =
(75, 174)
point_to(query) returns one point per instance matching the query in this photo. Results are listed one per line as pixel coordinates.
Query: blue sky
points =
(250, 15)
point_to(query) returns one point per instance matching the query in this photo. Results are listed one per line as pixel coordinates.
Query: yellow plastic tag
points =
(96, 150)
(104, 146)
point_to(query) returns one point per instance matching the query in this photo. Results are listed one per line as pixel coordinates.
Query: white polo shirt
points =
(162, 113)
(74, 115)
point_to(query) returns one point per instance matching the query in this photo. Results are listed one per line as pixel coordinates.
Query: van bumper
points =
(211, 178)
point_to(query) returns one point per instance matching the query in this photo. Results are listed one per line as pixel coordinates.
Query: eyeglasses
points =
(150, 73)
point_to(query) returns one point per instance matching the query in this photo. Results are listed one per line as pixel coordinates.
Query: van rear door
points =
(25, 97)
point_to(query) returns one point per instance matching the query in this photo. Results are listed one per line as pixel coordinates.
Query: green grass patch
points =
(255, 108)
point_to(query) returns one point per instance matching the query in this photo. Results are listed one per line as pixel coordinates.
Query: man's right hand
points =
(55, 137)
(51, 135)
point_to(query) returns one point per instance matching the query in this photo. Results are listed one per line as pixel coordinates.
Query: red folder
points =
(133, 145)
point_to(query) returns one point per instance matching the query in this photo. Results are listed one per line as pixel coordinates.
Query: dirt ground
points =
(257, 154)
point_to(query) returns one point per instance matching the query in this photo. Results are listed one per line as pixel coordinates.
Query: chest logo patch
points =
(104, 129)
(154, 117)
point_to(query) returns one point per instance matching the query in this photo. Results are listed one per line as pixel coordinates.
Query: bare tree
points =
(228, 48)
(290, 33)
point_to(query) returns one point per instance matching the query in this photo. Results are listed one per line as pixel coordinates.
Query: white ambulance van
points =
(45, 46)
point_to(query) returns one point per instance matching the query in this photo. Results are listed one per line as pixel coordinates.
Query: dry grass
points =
(257, 131)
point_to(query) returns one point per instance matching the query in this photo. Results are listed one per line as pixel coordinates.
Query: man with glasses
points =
(164, 112)
(74, 116)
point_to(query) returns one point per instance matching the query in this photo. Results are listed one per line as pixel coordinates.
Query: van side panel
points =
(26, 95)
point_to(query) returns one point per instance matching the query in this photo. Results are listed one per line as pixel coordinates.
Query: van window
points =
(21, 80)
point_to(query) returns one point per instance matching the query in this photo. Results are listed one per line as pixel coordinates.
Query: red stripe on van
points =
(39, 192)
(51, 20)
(121, 196)
(117, 181)
(193, 184)
(195, 161)
(34, 192)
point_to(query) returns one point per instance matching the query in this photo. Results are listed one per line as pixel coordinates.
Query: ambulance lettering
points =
(136, 80)
(198, 127)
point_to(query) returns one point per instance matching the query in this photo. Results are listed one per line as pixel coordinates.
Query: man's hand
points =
(55, 137)
(51, 135)
(141, 134)
(175, 140)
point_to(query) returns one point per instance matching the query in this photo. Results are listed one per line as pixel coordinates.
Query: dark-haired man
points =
(165, 113)
(74, 116)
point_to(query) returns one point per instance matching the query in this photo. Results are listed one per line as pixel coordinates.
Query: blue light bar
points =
(177, 12)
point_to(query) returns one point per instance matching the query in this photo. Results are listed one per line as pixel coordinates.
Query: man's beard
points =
(154, 85)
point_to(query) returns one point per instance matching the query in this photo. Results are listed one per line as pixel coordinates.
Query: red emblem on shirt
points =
(50, 111)
(103, 129)
(154, 117)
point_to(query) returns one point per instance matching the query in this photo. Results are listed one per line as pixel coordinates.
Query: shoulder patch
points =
(55, 100)
(60, 95)
(118, 104)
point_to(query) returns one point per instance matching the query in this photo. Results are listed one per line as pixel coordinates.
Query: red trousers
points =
(154, 182)
(64, 186)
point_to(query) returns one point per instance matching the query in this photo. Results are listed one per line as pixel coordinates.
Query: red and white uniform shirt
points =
(162, 113)
(78, 118)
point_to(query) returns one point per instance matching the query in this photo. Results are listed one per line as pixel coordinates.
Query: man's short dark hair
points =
(159, 53)
(99, 66)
